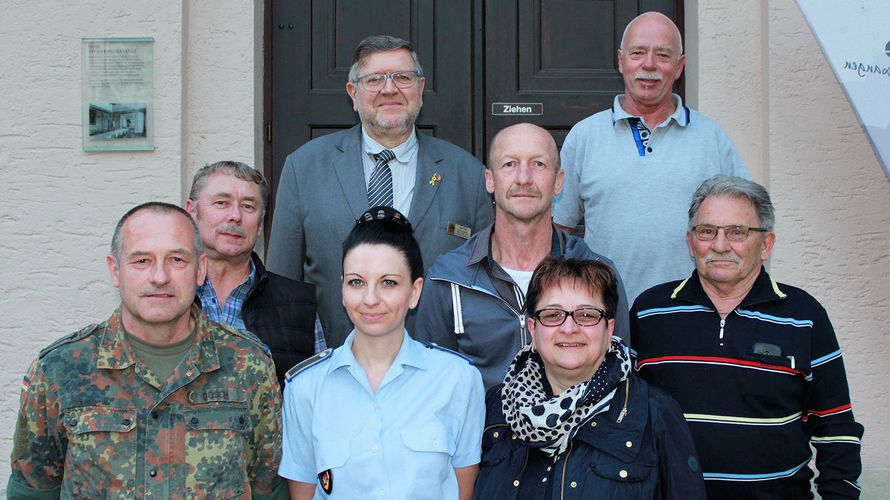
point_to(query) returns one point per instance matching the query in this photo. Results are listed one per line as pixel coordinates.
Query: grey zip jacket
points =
(461, 309)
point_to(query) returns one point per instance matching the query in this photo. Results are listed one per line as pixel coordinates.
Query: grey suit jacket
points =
(322, 192)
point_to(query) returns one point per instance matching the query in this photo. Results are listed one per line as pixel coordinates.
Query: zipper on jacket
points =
(626, 397)
(722, 325)
(523, 325)
(519, 314)
(565, 463)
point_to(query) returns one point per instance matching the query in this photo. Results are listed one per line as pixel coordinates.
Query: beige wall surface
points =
(59, 204)
(753, 66)
(764, 78)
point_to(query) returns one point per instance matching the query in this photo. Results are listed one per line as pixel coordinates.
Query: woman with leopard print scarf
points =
(570, 419)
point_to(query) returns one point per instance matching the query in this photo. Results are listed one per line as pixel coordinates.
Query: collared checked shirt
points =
(402, 441)
(230, 312)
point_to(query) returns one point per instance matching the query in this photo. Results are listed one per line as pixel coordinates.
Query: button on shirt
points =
(403, 441)
(403, 168)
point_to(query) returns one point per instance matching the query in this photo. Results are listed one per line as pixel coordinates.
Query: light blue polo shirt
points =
(633, 186)
(403, 441)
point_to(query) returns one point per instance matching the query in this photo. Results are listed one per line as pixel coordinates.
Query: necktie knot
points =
(384, 156)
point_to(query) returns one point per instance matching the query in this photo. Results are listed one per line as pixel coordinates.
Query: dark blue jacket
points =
(647, 454)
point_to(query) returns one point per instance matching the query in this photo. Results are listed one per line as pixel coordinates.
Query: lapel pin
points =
(434, 179)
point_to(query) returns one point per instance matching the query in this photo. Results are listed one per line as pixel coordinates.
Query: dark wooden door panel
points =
(559, 53)
(312, 43)
(558, 56)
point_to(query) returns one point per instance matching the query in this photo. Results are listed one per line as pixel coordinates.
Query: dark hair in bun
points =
(386, 226)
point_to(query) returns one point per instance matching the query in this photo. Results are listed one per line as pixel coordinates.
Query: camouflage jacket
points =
(96, 423)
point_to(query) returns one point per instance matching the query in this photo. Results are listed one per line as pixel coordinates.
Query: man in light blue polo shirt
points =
(631, 169)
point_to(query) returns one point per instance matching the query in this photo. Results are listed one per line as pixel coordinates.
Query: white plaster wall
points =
(770, 86)
(219, 67)
(725, 55)
(59, 204)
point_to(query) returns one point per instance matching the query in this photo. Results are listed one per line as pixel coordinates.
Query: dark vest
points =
(281, 312)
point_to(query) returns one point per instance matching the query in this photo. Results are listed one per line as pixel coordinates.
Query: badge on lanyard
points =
(326, 480)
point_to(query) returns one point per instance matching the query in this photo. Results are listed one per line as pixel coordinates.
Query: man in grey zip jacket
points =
(473, 296)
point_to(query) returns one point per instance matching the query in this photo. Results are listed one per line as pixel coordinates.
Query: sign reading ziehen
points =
(855, 39)
(517, 108)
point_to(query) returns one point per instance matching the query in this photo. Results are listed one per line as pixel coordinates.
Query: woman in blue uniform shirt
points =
(382, 416)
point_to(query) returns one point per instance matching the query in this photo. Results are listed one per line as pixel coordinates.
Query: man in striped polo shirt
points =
(754, 364)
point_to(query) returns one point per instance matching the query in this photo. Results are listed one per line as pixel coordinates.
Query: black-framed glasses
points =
(376, 81)
(583, 316)
(733, 232)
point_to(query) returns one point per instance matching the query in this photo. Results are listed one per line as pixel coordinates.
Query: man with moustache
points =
(473, 297)
(754, 363)
(631, 169)
(329, 182)
(157, 401)
(228, 201)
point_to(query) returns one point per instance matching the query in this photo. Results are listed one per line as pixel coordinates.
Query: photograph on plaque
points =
(117, 94)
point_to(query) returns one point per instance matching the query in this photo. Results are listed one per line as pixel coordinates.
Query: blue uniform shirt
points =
(403, 441)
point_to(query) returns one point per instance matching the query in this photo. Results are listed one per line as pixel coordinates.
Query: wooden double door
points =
(488, 64)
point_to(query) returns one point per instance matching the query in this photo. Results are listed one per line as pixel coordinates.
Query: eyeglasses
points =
(733, 232)
(376, 81)
(584, 316)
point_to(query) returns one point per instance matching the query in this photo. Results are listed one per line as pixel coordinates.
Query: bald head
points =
(520, 133)
(523, 175)
(655, 17)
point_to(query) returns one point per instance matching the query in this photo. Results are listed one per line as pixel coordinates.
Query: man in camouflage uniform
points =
(157, 401)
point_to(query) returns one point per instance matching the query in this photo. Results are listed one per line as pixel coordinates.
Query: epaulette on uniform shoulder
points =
(433, 345)
(67, 339)
(307, 363)
(245, 334)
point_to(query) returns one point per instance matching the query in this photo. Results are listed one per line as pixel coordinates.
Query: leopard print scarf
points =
(551, 422)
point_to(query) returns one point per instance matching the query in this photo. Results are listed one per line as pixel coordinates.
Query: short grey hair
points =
(736, 187)
(678, 36)
(380, 43)
(156, 207)
(240, 170)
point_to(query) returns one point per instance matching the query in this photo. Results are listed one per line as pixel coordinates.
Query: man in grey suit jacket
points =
(324, 184)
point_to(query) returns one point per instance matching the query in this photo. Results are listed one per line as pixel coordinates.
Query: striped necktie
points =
(380, 187)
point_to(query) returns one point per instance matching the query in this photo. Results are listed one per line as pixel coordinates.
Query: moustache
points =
(232, 229)
(644, 75)
(523, 190)
(721, 257)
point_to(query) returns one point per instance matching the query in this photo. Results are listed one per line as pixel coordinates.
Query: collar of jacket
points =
(623, 423)
(262, 276)
(260, 279)
(765, 289)
(430, 160)
(115, 353)
(481, 246)
(610, 431)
